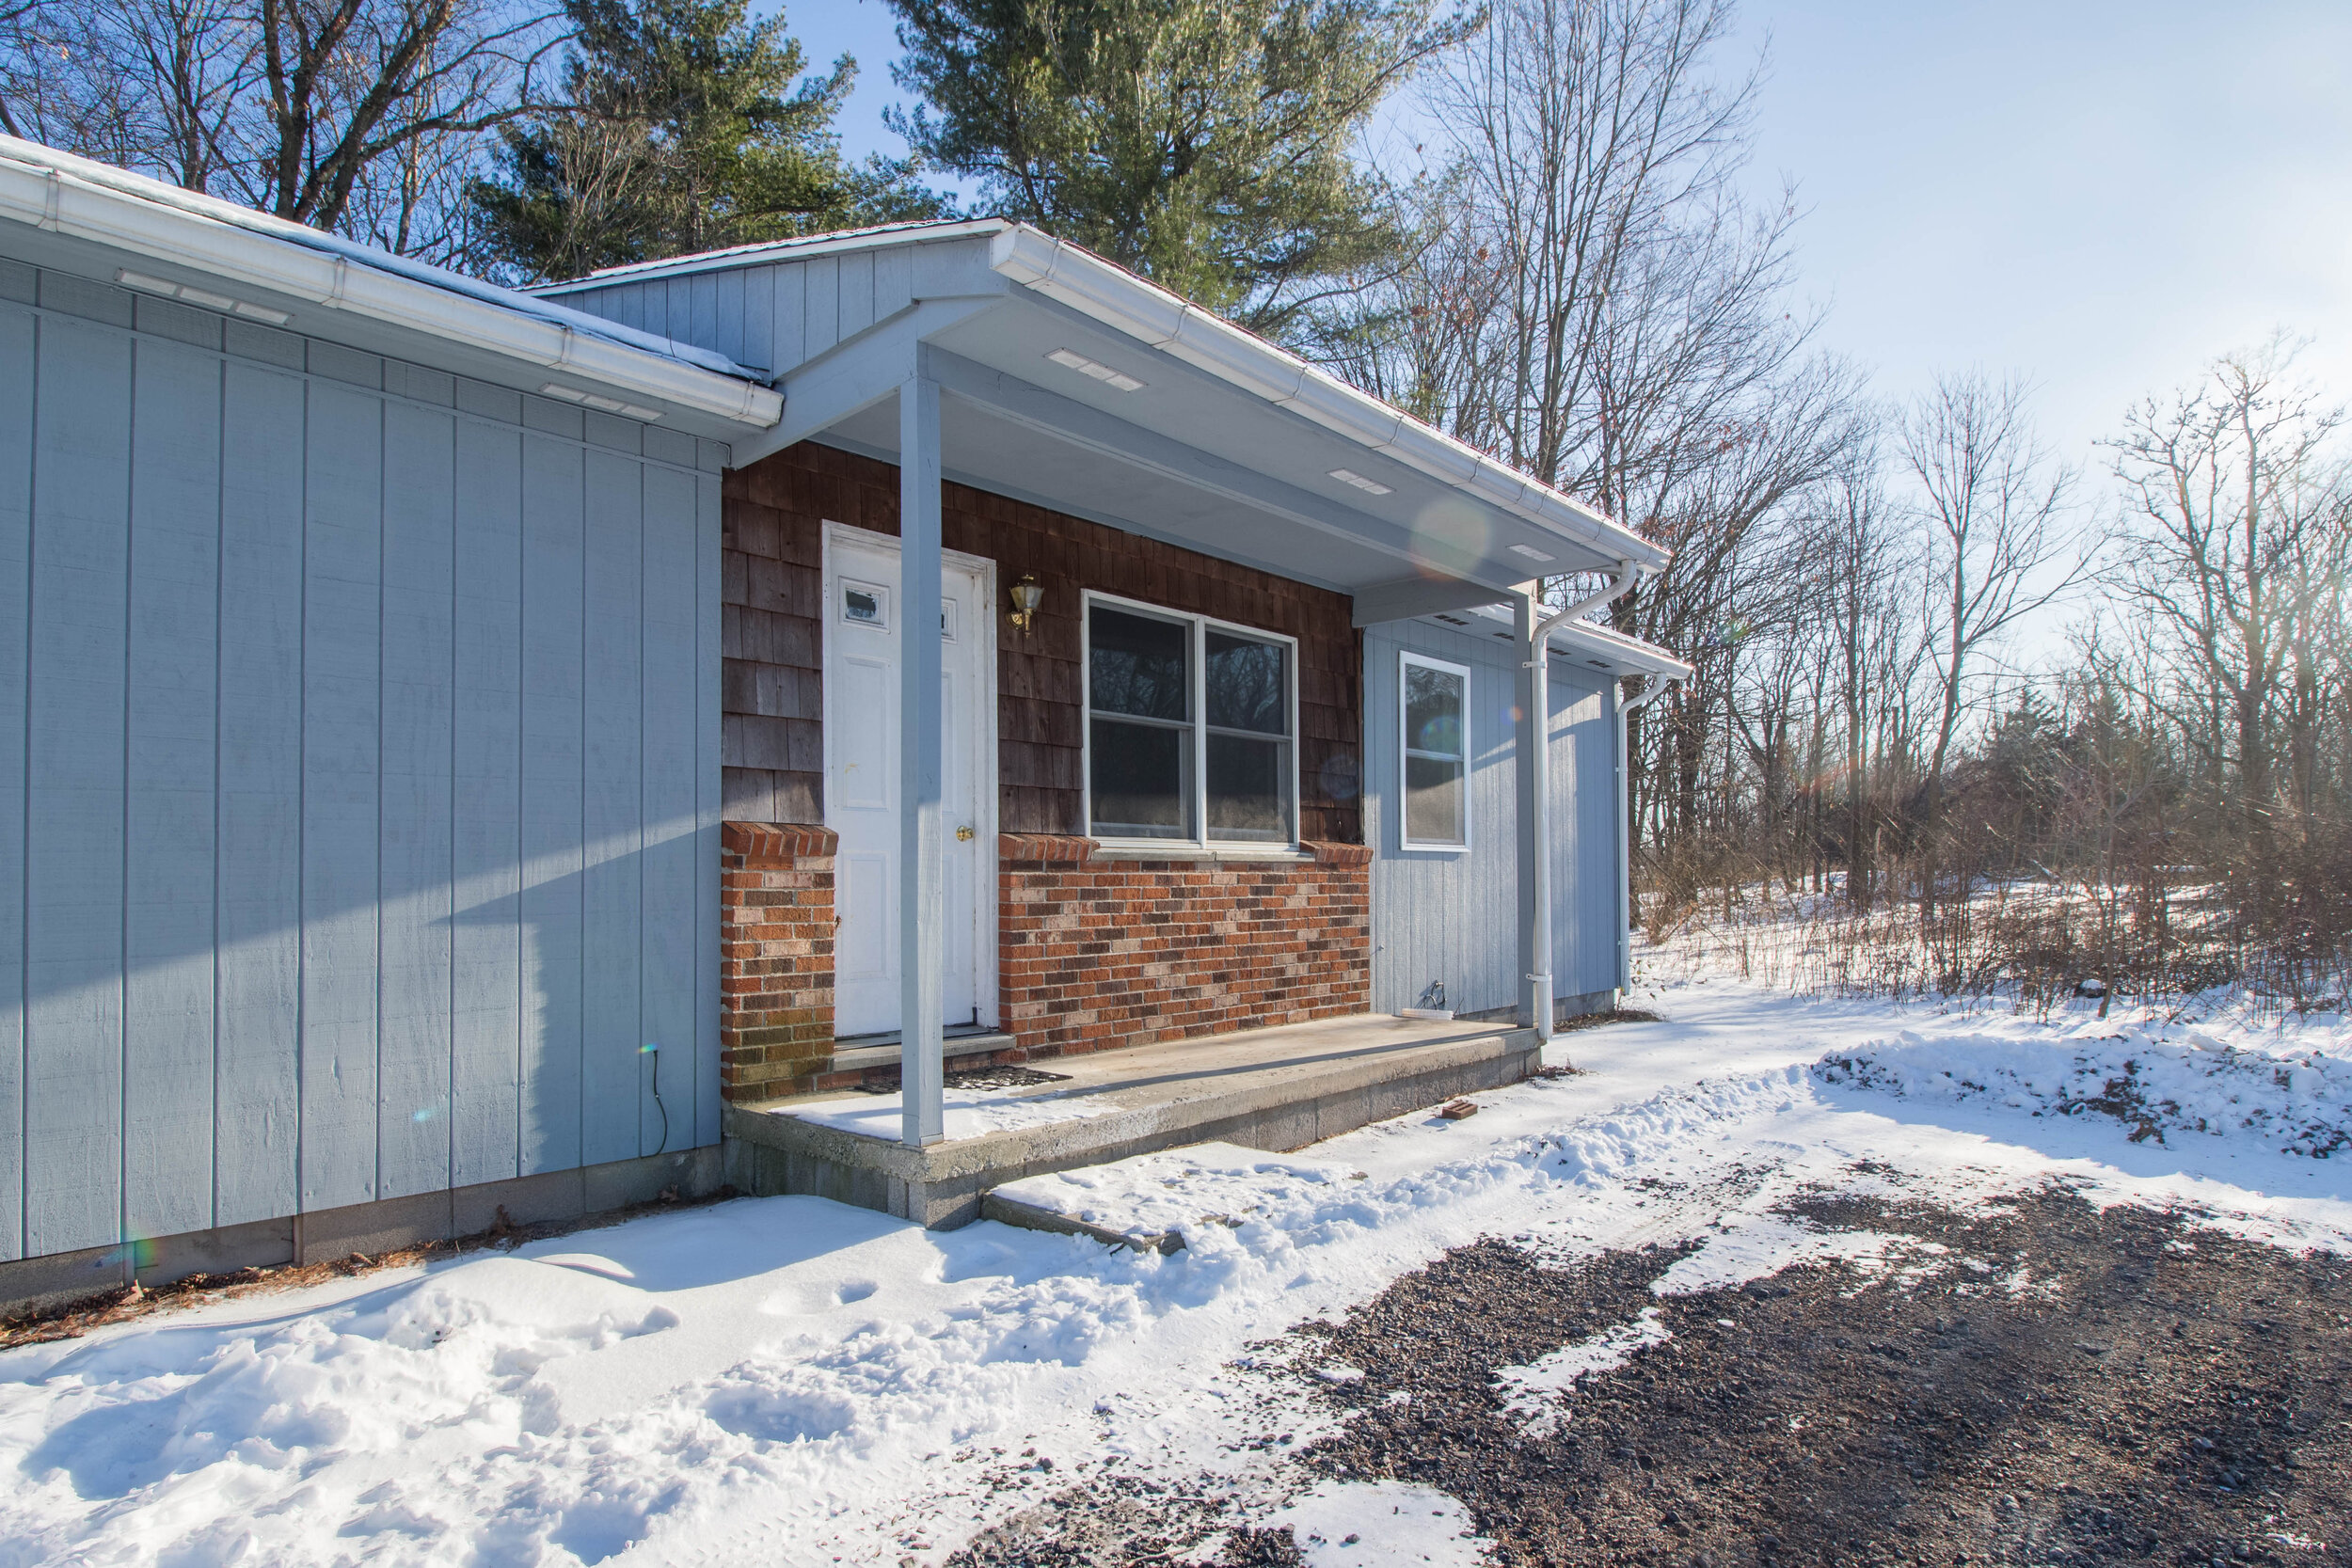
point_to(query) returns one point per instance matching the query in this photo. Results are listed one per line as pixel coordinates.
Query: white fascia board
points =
(66, 195)
(1633, 653)
(1149, 314)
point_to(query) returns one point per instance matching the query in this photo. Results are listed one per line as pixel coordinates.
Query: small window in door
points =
(866, 604)
(1435, 761)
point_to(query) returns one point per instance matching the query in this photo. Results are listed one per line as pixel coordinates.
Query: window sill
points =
(1432, 848)
(1132, 849)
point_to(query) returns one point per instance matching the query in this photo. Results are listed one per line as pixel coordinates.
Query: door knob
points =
(964, 835)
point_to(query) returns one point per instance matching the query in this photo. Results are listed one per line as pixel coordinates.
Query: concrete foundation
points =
(1274, 1089)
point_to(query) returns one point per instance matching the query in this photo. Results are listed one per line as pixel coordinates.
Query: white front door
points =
(861, 656)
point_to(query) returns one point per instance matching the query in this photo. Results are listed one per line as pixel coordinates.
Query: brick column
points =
(775, 957)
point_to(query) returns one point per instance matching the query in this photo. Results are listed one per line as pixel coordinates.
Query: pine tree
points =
(688, 129)
(1205, 144)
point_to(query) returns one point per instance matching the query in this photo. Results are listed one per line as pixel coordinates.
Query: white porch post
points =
(920, 896)
(1535, 795)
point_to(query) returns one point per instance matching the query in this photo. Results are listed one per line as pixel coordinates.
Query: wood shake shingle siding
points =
(372, 773)
(774, 708)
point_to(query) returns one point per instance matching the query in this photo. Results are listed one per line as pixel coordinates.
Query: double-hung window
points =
(1191, 729)
(1434, 697)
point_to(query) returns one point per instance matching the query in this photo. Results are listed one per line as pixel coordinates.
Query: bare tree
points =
(2241, 519)
(360, 115)
(1996, 507)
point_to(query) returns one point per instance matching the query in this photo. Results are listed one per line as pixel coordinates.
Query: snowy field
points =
(788, 1381)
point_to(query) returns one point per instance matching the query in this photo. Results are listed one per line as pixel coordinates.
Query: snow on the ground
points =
(1179, 1190)
(964, 1113)
(2159, 1083)
(1374, 1524)
(792, 1380)
(1537, 1394)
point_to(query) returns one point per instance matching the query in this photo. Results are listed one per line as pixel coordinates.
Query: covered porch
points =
(989, 377)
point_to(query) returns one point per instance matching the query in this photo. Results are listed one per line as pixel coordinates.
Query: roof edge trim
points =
(66, 195)
(1143, 310)
(801, 249)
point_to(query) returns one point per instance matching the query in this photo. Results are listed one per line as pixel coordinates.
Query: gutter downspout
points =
(1656, 689)
(1534, 737)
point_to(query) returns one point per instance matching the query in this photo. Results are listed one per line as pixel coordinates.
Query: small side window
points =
(866, 604)
(1435, 764)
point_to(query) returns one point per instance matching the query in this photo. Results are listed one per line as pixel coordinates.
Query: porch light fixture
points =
(599, 402)
(1069, 359)
(1370, 487)
(1532, 553)
(205, 297)
(1027, 595)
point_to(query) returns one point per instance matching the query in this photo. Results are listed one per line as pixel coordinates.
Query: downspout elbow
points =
(1656, 687)
(1625, 576)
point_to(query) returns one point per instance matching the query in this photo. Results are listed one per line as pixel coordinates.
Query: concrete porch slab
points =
(1274, 1089)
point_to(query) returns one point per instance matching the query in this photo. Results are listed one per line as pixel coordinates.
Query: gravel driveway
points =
(2039, 1380)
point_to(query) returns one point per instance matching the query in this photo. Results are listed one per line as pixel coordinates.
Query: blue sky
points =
(2100, 195)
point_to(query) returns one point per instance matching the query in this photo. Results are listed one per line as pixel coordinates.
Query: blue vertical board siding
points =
(73, 864)
(821, 311)
(857, 292)
(707, 540)
(414, 842)
(18, 333)
(1583, 832)
(759, 318)
(612, 810)
(486, 974)
(169, 912)
(341, 791)
(672, 832)
(894, 282)
(257, 1101)
(553, 862)
(730, 338)
(1449, 919)
(791, 316)
(358, 789)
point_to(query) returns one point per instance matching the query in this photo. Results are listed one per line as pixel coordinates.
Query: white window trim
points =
(1200, 847)
(1404, 832)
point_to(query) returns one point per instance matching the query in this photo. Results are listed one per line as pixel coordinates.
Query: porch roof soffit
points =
(1210, 438)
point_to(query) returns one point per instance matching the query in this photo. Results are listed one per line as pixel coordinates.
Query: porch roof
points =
(1080, 386)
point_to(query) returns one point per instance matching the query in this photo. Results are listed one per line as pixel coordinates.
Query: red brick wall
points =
(1094, 954)
(775, 957)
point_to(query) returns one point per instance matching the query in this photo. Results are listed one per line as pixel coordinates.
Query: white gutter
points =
(1630, 655)
(66, 195)
(1149, 313)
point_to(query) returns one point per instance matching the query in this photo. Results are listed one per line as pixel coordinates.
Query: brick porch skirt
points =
(1092, 953)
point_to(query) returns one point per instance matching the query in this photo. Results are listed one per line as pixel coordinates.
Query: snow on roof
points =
(125, 185)
(800, 247)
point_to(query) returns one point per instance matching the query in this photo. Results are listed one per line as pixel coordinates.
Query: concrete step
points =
(1274, 1089)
